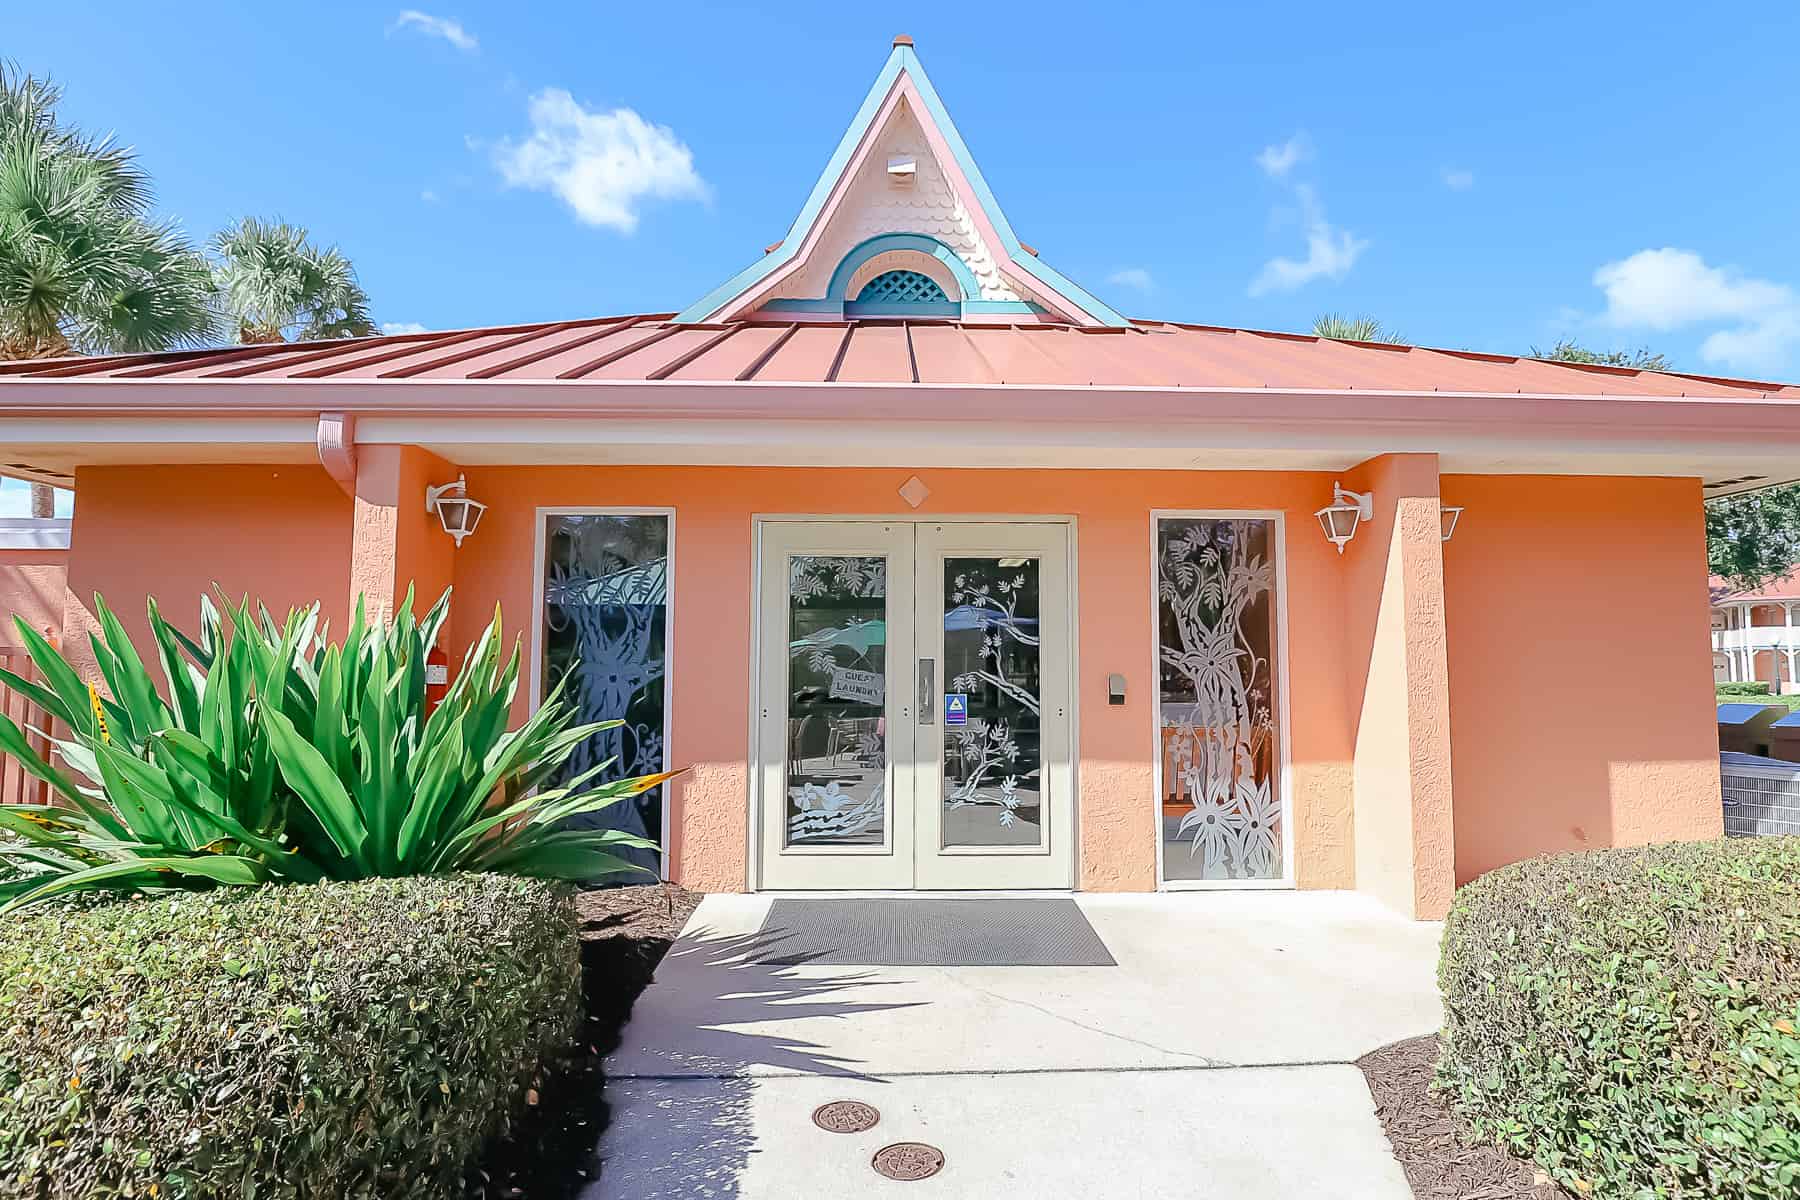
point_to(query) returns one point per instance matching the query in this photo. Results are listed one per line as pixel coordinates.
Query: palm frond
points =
(276, 284)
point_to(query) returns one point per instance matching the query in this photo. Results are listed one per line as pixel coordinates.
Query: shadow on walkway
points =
(687, 1067)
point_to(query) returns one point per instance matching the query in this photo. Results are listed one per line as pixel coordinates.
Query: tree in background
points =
(86, 269)
(83, 266)
(276, 285)
(1353, 329)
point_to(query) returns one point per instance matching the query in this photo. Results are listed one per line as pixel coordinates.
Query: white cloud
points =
(601, 164)
(1669, 288)
(1277, 161)
(1458, 179)
(1330, 251)
(393, 327)
(447, 28)
(1132, 277)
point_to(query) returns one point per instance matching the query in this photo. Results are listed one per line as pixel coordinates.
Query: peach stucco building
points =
(940, 574)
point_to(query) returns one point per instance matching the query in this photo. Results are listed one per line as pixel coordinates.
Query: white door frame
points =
(760, 523)
(1284, 761)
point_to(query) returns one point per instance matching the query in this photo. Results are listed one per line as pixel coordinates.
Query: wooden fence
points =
(16, 786)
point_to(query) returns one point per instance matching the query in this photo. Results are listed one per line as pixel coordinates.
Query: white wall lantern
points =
(1340, 518)
(457, 512)
(1447, 515)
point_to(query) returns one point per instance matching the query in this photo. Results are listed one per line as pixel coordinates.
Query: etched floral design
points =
(829, 813)
(1215, 590)
(1216, 825)
(811, 576)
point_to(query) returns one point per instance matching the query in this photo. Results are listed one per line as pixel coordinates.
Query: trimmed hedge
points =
(1741, 689)
(337, 1039)
(1628, 1018)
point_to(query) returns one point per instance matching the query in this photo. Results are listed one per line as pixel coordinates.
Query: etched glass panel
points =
(837, 700)
(993, 769)
(1221, 804)
(606, 606)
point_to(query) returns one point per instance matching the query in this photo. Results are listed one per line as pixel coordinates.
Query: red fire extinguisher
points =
(437, 677)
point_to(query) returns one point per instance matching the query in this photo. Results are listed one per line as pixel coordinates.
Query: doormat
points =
(977, 932)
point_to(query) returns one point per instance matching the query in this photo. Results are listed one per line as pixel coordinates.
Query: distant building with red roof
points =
(1756, 633)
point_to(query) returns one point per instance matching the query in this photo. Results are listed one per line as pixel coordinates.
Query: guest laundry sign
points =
(863, 687)
(956, 708)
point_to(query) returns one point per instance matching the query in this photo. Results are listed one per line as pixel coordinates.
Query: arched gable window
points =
(902, 288)
(902, 293)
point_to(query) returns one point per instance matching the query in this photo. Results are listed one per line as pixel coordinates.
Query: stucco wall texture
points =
(1417, 708)
(32, 585)
(1556, 589)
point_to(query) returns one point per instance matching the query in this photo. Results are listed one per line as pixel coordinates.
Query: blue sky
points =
(1490, 177)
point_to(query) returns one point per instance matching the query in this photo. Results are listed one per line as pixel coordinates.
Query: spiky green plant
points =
(278, 755)
(1353, 329)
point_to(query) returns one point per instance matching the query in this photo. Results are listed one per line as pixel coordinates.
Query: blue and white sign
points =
(956, 708)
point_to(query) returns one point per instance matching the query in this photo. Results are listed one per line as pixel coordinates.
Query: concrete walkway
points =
(1213, 1061)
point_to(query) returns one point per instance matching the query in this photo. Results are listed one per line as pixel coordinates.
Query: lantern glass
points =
(458, 514)
(1447, 516)
(1339, 523)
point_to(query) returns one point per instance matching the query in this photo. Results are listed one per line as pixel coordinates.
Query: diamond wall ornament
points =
(914, 491)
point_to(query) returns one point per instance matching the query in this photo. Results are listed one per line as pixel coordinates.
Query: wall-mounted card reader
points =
(1115, 688)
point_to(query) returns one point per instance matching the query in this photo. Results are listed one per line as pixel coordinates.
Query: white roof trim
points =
(34, 533)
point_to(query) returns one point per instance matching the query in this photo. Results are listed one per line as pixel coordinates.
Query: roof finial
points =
(902, 40)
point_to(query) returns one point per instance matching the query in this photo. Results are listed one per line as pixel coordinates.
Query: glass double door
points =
(913, 715)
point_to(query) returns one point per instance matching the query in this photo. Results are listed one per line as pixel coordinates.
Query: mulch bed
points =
(1423, 1132)
(550, 1153)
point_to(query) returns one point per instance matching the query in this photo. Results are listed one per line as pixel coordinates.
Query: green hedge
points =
(1628, 1018)
(1741, 689)
(327, 1040)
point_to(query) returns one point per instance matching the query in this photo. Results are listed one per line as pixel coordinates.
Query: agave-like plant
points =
(278, 755)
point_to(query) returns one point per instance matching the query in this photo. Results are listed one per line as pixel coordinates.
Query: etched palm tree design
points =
(605, 618)
(618, 658)
(1210, 577)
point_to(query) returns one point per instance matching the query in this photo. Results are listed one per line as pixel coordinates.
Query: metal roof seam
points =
(774, 348)
(293, 349)
(338, 368)
(538, 355)
(451, 360)
(837, 361)
(613, 356)
(683, 359)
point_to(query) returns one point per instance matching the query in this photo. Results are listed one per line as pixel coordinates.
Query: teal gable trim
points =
(1043, 272)
(833, 307)
(991, 307)
(902, 58)
(809, 212)
(881, 243)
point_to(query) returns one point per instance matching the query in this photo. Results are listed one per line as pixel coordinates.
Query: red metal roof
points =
(1154, 354)
(1785, 588)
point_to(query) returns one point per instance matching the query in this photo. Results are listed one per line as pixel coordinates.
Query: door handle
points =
(927, 691)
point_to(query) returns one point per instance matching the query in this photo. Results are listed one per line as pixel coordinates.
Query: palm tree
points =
(83, 266)
(1353, 329)
(277, 285)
